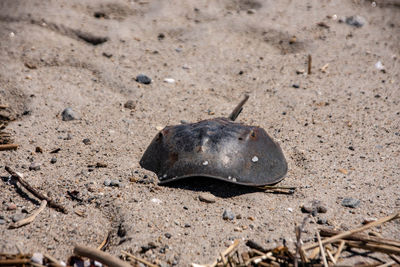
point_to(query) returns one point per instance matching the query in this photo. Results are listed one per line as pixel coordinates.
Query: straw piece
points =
(321, 248)
(339, 250)
(100, 256)
(350, 232)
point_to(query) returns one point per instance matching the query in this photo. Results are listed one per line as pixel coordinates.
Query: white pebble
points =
(254, 159)
(234, 179)
(159, 128)
(156, 200)
(169, 80)
(205, 163)
(37, 258)
(290, 209)
(379, 65)
(12, 34)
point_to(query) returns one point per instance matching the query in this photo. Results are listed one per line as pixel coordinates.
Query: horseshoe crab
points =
(216, 148)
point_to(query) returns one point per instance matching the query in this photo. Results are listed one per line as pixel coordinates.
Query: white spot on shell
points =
(254, 159)
(229, 177)
(234, 179)
(164, 176)
(205, 163)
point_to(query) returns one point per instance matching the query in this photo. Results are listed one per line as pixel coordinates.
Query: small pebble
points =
(86, 141)
(322, 221)
(169, 80)
(207, 197)
(34, 166)
(356, 21)
(11, 206)
(141, 78)
(251, 11)
(295, 86)
(379, 65)
(2, 221)
(168, 235)
(130, 104)
(53, 160)
(115, 183)
(68, 115)
(107, 182)
(228, 215)
(351, 202)
(37, 258)
(254, 159)
(290, 209)
(156, 200)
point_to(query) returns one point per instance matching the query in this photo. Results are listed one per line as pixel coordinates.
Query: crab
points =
(216, 148)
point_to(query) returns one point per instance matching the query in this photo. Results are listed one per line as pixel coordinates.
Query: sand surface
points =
(339, 130)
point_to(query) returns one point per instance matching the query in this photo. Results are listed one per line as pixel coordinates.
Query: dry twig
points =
(35, 192)
(100, 256)
(309, 65)
(138, 259)
(31, 218)
(321, 248)
(4, 147)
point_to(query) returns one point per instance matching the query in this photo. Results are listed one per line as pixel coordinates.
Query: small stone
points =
(344, 171)
(251, 11)
(295, 85)
(53, 160)
(37, 258)
(351, 202)
(86, 141)
(38, 149)
(11, 206)
(107, 182)
(169, 80)
(228, 215)
(68, 137)
(379, 65)
(254, 159)
(115, 183)
(130, 104)
(34, 166)
(187, 225)
(2, 221)
(168, 235)
(369, 220)
(322, 221)
(207, 197)
(17, 217)
(68, 115)
(356, 21)
(141, 78)
(290, 209)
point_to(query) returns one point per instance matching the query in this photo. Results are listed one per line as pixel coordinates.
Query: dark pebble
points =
(86, 141)
(53, 160)
(129, 104)
(150, 245)
(121, 230)
(68, 115)
(228, 215)
(356, 21)
(295, 86)
(161, 36)
(322, 221)
(168, 235)
(351, 202)
(141, 78)
(34, 166)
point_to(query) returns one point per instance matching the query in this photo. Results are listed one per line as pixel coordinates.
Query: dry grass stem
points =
(105, 242)
(5, 147)
(138, 259)
(350, 232)
(3, 106)
(100, 256)
(321, 248)
(34, 191)
(339, 250)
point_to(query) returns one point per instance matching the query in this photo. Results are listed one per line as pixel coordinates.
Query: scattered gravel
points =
(68, 115)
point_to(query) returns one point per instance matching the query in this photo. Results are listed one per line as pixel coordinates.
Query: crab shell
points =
(216, 148)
